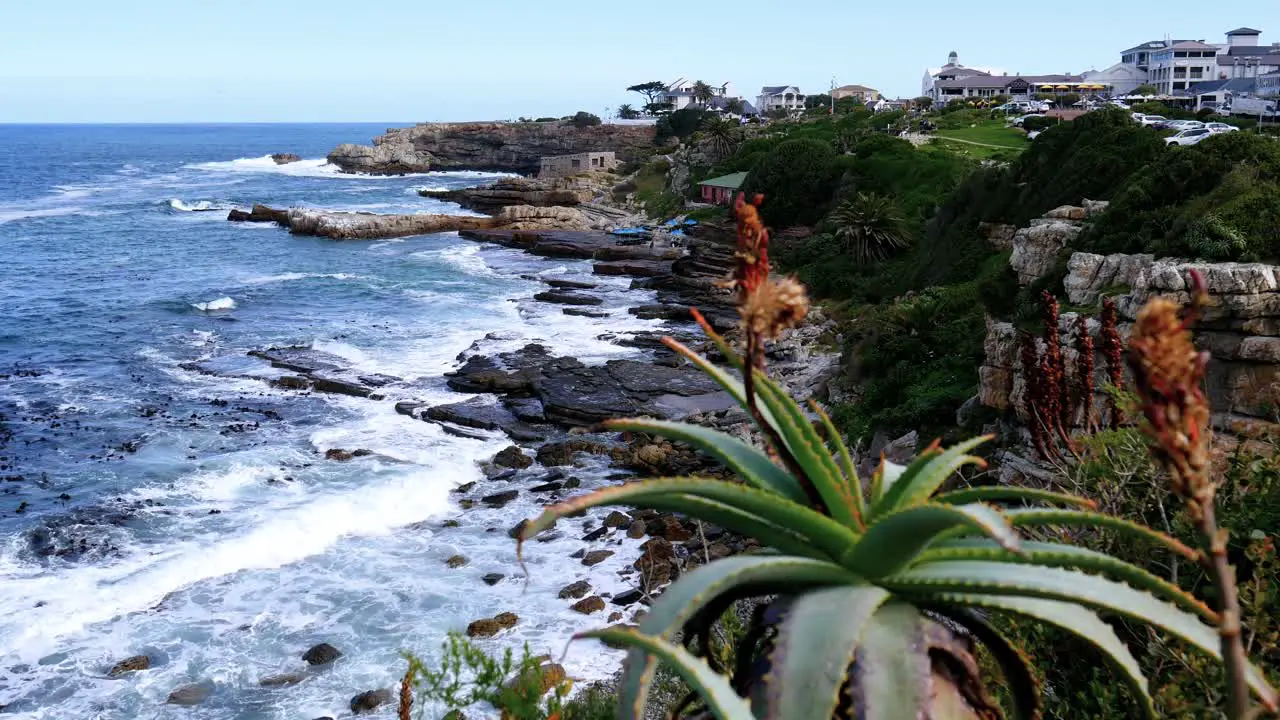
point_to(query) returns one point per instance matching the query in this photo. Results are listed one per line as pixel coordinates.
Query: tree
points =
(702, 93)
(1146, 90)
(822, 100)
(682, 123)
(722, 134)
(657, 108)
(922, 102)
(799, 178)
(734, 106)
(582, 119)
(626, 112)
(1068, 99)
(652, 91)
(869, 226)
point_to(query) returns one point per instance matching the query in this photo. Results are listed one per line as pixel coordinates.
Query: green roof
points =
(732, 181)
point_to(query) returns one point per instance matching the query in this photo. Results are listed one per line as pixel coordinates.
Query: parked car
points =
(1017, 122)
(1152, 120)
(1189, 137)
(1118, 103)
(1217, 127)
(1183, 125)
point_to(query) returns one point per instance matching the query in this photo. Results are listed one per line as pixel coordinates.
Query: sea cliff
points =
(506, 147)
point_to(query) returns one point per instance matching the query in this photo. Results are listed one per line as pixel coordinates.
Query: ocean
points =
(147, 507)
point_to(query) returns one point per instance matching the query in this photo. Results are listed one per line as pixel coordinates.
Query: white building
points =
(679, 94)
(780, 97)
(1177, 66)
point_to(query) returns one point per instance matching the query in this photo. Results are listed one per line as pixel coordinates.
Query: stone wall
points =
(1240, 327)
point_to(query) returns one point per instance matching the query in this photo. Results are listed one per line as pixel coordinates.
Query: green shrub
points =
(798, 177)
(1034, 122)
(681, 123)
(583, 119)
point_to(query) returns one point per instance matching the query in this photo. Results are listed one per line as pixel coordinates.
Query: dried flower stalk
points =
(1084, 372)
(1112, 350)
(406, 695)
(1169, 374)
(1033, 402)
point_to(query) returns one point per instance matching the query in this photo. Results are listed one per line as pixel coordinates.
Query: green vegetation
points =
(869, 226)
(990, 132)
(798, 177)
(852, 565)
(582, 119)
(681, 123)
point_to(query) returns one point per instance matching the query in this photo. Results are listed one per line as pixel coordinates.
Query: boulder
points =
(512, 457)
(285, 158)
(564, 297)
(192, 694)
(629, 597)
(657, 564)
(321, 654)
(492, 578)
(595, 557)
(456, 561)
(1036, 248)
(282, 680)
(489, 627)
(586, 606)
(617, 519)
(128, 665)
(371, 700)
(500, 499)
(636, 530)
(575, 589)
(563, 452)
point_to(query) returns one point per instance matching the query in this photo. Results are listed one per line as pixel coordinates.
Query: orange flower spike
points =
(753, 246)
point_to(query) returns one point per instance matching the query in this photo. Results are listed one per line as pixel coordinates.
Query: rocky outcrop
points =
(509, 147)
(371, 226)
(285, 158)
(1240, 326)
(564, 191)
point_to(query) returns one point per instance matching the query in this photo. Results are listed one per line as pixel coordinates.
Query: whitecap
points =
(222, 303)
(197, 206)
(8, 216)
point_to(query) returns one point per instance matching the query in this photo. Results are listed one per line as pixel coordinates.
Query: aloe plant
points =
(867, 569)
(870, 577)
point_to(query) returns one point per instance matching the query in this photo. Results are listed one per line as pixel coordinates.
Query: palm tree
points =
(871, 577)
(626, 112)
(702, 93)
(870, 227)
(722, 134)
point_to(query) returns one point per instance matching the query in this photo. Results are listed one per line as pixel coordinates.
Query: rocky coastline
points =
(496, 146)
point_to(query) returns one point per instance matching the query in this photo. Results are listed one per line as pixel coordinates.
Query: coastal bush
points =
(1037, 122)
(869, 227)
(681, 123)
(584, 119)
(798, 176)
(858, 574)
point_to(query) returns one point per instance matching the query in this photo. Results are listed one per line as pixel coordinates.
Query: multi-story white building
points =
(1176, 67)
(954, 81)
(780, 97)
(679, 94)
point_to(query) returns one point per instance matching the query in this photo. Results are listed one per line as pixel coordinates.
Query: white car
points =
(1189, 137)
(1021, 118)
(1217, 127)
(1184, 124)
(1149, 120)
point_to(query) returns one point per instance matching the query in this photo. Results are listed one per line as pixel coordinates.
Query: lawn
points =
(992, 136)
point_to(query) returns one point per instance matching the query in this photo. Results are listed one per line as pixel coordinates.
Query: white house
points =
(780, 97)
(679, 94)
(1122, 78)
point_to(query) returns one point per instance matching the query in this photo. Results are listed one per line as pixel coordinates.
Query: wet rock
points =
(259, 213)
(657, 564)
(595, 534)
(586, 606)
(192, 694)
(634, 268)
(636, 530)
(500, 499)
(464, 487)
(578, 554)
(516, 529)
(456, 561)
(512, 457)
(579, 312)
(282, 680)
(547, 487)
(343, 455)
(668, 528)
(629, 597)
(562, 453)
(567, 298)
(617, 519)
(489, 627)
(321, 654)
(371, 700)
(128, 665)
(526, 409)
(284, 158)
(570, 284)
(575, 590)
(595, 557)
(679, 313)
(492, 578)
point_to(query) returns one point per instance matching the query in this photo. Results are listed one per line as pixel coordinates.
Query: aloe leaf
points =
(825, 534)
(753, 466)
(809, 451)
(1050, 517)
(731, 384)
(781, 539)
(718, 340)
(893, 673)
(1002, 493)
(814, 649)
(1014, 663)
(1070, 556)
(845, 460)
(1072, 586)
(713, 688)
(887, 473)
(688, 596)
(930, 473)
(1077, 620)
(894, 541)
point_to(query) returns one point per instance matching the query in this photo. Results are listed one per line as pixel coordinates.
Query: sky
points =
(91, 61)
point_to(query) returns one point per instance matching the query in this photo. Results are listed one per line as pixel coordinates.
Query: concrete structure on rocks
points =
(566, 165)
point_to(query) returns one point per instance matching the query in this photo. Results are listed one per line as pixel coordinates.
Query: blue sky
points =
(392, 60)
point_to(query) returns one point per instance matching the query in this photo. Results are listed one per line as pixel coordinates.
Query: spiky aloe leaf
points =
(713, 688)
(733, 358)
(892, 671)
(1083, 623)
(814, 649)
(1014, 663)
(825, 534)
(809, 451)
(895, 540)
(1060, 555)
(845, 460)
(924, 476)
(1054, 517)
(927, 580)
(741, 575)
(753, 466)
(781, 539)
(730, 383)
(887, 473)
(1003, 493)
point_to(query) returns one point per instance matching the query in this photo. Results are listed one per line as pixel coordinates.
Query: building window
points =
(1180, 86)
(575, 163)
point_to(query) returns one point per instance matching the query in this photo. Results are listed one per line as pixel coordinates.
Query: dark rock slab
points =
(569, 284)
(321, 654)
(649, 380)
(526, 409)
(481, 414)
(680, 313)
(579, 312)
(128, 665)
(500, 499)
(192, 694)
(634, 268)
(563, 297)
(371, 700)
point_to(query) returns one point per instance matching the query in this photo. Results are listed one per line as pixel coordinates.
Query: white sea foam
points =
(198, 205)
(292, 276)
(8, 216)
(222, 303)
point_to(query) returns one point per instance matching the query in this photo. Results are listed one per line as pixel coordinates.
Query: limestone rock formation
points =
(510, 147)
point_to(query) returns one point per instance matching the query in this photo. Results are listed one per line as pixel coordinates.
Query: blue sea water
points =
(149, 508)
